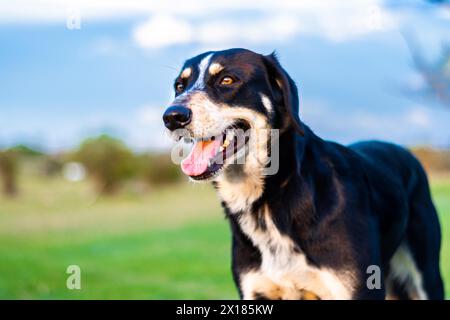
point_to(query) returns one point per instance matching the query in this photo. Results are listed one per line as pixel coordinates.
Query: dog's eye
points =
(179, 87)
(227, 80)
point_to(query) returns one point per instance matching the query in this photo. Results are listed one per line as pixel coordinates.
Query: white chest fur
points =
(287, 269)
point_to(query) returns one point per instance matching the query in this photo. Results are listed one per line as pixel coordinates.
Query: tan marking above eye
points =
(227, 81)
(186, 73)
(215, 68)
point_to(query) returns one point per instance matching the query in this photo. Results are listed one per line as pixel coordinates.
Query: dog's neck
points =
(242, 185)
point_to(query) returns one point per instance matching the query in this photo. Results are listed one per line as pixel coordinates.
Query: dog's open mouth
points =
(208, 156)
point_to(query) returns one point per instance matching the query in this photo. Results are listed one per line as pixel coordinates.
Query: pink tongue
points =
(196, 162)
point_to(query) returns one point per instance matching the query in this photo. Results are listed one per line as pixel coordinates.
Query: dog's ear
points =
(284, 90)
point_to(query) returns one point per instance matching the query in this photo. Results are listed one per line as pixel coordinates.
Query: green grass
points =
(131, 246)
(169, 243)
(441, 196)
(162, 264)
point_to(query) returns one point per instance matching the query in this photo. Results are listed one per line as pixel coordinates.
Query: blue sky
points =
(114, 74)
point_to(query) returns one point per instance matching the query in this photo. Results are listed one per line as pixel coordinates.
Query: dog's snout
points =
(177, 117)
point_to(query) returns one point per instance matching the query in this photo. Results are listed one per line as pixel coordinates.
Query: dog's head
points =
(227, 102)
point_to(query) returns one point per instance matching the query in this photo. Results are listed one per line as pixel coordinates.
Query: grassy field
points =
(171, 243)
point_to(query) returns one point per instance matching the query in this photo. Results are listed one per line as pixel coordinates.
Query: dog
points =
(331, 218)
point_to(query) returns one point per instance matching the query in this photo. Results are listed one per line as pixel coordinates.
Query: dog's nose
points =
(177, 117)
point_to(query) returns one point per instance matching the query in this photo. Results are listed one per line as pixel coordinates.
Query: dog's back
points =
(409, 226)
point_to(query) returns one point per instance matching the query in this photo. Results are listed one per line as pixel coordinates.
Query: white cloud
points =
(210, 22)
(410, 126)
(274, 22)
(267, 29)
(150, 115)
(445, 13)
(146, 130)
(415, 81)
(163, 31)
(105, 46)
(419, 117)
(142, 129)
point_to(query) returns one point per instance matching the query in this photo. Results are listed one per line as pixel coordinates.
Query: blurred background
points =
(85, 172)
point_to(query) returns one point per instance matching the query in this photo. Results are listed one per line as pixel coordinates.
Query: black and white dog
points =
(330, 213)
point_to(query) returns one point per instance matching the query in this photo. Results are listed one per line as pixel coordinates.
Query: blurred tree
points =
(52, 165)
(8, 171)
(108, 161)
(434, 160)
(436, 75)
(158, 169)
(26, 151)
